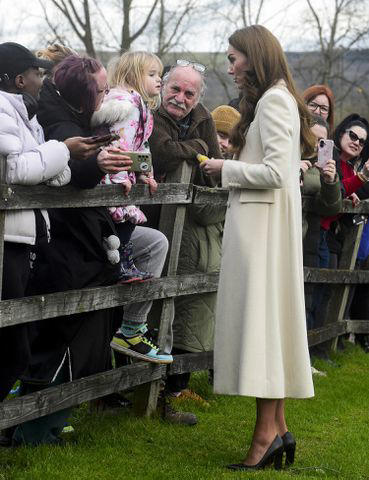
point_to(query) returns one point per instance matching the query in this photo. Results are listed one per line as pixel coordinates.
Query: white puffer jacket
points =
(29, 161)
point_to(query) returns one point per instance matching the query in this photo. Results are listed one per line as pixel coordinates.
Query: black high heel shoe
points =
(273, 454)
(289, 445)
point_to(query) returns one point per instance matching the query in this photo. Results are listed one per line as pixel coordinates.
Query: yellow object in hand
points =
(201, 158)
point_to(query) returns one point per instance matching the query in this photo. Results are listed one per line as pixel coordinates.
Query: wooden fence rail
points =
(145, 377)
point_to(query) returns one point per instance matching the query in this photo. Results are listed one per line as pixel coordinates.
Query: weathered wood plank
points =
(191, 362)
(41, 196)
(328, 332)
(40, 307)
(171, 224)
(338, 299)
(357, 326)
(330, 276)
(52, 399)
(308, 205)
(214, 196)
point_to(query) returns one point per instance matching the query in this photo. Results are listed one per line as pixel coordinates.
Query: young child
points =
(136, 82)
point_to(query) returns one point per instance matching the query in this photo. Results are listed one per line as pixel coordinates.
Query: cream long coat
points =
(260, 342)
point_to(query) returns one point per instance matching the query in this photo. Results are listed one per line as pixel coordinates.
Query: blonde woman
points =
(260, 341)
(135, 81)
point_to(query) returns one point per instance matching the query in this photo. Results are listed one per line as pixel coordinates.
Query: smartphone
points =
(108, 138)
(325, 152)
(142, 162)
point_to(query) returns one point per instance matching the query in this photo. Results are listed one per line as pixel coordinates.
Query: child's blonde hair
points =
(128, 71)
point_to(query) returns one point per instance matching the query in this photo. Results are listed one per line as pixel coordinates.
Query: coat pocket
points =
(257, 196)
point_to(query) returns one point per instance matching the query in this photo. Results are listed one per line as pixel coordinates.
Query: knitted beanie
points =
(225, 118)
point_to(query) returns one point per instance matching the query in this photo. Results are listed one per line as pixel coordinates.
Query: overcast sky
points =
(21, 22)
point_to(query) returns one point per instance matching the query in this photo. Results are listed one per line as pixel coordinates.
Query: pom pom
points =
(111, 243)
(113, 256)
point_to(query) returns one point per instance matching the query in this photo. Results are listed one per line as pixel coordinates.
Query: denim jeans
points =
(149, 252)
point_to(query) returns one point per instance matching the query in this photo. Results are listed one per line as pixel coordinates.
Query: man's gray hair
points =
(167, 76)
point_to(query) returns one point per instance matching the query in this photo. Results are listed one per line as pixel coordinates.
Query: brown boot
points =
(169, 414)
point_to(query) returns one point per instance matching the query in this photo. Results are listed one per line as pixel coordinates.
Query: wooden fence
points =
(146, 377)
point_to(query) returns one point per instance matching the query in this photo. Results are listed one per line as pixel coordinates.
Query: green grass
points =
(332, 432)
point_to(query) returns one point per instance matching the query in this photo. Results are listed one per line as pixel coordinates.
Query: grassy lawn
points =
(332, 432)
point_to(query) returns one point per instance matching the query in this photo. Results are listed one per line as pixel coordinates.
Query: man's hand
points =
(150, 181)
(212, 167)
(110, 160)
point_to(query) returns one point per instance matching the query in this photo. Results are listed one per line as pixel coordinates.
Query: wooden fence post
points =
(171, 223)
(338, 299)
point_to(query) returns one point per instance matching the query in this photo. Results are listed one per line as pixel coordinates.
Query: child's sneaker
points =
(128, 271)
(139, 347)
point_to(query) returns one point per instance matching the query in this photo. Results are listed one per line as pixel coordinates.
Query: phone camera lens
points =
(321, 143)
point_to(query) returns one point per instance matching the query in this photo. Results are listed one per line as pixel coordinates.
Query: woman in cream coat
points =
(261, 343)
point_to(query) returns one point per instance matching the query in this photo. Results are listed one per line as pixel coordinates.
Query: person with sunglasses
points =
(183, 128)
(351, 155)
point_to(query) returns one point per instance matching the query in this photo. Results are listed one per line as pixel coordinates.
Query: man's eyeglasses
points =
(196, 66)
(355, 138)
(314, 106)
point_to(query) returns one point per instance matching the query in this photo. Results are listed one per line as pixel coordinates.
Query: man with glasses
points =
(183, 128)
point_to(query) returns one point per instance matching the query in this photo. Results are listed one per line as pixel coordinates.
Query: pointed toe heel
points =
(289, 445)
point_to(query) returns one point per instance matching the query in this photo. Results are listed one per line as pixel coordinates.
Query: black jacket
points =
(74, 259)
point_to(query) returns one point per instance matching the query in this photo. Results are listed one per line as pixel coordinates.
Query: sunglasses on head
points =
(196, 66)
(355, 138)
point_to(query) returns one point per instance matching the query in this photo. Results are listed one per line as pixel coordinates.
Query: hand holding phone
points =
(104, 139)
(325, 152)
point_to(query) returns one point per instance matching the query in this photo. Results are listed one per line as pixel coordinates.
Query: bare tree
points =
(339, 36)
(173, 24)
(93, 23)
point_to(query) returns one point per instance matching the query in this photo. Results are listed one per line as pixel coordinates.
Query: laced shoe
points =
(139, 347)
(171, 415)
(128, 271)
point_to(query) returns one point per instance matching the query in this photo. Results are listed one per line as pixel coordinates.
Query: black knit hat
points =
(16, 59)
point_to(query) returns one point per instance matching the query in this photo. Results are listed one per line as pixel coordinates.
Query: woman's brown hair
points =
(313, 91)
(267, 64)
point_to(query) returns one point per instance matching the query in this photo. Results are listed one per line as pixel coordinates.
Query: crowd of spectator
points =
(65, 119)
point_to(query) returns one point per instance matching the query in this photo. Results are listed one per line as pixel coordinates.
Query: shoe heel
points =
(278, 458)
(290, 454)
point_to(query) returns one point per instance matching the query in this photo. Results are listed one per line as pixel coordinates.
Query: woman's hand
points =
(82, 148)
(212, 167)
(329, 171)
(110, 160)
(305, 165)
(354, 199)
(150, 181)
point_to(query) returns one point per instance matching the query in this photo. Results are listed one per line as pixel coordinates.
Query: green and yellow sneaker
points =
(140, 347)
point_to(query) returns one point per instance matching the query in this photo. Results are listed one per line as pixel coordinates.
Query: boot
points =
(128, 271)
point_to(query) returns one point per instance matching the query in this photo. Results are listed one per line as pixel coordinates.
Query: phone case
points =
(325, 152)
(142, 162)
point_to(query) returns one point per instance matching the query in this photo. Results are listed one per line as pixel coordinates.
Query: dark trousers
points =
(180, 381)
(14, 344)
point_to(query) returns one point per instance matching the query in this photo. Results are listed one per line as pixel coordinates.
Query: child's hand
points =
(150, 181)
(126, 185)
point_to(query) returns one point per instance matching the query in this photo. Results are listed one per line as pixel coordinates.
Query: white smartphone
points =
(325, 152)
